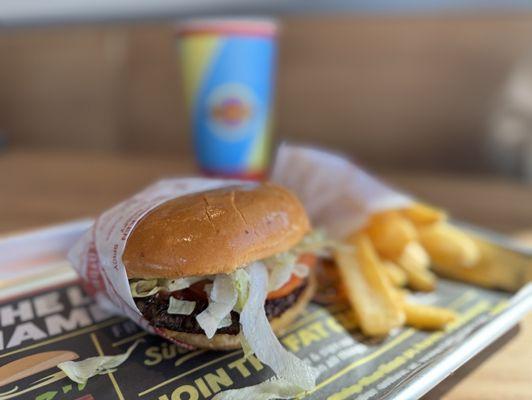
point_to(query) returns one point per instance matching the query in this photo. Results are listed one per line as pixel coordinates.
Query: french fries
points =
(395, 274)
(398, 249)
(448, 246)
(415, 263)
(419, 278)
(369, 291)
(415, 254)
(390, 232)
(422, 214)
(427, 317)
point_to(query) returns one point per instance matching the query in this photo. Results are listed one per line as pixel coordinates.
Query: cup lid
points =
(230, 26)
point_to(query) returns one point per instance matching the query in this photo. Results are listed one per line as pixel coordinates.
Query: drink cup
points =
(228, 70)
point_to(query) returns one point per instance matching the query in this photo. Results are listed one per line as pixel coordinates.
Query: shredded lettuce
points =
(182, 283)
(281, 266)
(226, 321)
(280, 269)
(301, 270)
(149, 287)
(241, 281)
(274, 388)
(144, 288)
(261, 339)
(181, 307)
(315, 242)
(208, 288)
(222, 300)
(81, 371)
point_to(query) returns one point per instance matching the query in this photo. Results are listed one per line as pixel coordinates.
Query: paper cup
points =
(228, 68)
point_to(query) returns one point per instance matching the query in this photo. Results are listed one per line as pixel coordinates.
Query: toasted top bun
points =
(214, 232)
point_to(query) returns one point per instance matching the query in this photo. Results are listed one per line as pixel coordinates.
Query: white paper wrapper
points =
(97, 257)
(338, 195)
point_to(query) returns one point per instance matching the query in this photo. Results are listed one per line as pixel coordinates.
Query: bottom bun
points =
(230, 342)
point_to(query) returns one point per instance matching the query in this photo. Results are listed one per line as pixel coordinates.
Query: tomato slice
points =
(193, 292)
(294, 282)
(309, 259)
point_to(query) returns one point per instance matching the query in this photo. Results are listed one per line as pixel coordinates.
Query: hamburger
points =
(196, 264)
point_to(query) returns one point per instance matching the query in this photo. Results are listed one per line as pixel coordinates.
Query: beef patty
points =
(153, 308)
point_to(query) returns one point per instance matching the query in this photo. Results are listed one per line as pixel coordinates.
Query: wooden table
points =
(39, 188)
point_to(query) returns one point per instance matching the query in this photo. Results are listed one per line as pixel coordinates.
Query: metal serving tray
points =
(44, 308)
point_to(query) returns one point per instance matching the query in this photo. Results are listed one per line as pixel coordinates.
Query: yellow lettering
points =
(239, 365)
(292, 342)
(410, 353)
(220, 378)
(200, 383)
(154, 353)
(255, 362)
(333, 324)
(190, 390)
(307, 337)
(319, 329)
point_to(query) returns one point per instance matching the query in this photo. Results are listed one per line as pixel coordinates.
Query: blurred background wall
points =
(408, 92)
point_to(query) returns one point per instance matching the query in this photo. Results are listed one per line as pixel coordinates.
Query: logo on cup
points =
(230, 111)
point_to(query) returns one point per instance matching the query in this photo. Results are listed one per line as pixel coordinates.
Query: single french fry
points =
(448, 246)
(390, 232)
(498, 268)
(402, 295)
(414, 253)
(415, 266)
(369, 291)
(427, 317)
(423, 214)
(419, 279)
(396, 275)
